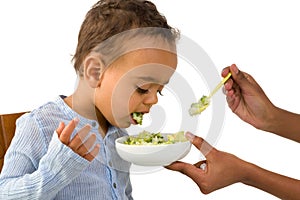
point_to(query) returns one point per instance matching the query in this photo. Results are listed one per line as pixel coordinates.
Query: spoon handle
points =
(219, 85)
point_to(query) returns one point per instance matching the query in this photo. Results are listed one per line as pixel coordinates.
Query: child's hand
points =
(76, 144)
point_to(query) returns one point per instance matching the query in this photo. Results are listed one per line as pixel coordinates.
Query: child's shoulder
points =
(47, 110)
(35, 129)
(46, 117)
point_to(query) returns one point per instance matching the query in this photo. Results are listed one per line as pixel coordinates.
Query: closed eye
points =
(141, 91)
(145, 91)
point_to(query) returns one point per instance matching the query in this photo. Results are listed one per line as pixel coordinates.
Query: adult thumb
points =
(241, 78)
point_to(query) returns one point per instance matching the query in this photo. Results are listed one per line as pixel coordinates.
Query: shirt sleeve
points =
(35, 169)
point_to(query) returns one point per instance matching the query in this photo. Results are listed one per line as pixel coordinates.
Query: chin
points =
(121, 124)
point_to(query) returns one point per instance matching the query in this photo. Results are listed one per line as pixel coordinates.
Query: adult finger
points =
(199, 143)
(241, 78)
(230, 86)
(182, 166)
(177, 166)
(192, 171)
(225, 71)
(67, 131)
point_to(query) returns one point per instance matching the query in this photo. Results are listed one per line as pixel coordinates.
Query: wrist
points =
(284, 123)
(272, 119)
(250, 174)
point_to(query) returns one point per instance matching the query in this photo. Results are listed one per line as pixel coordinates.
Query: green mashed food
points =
(147, 138)
(201, 105)
(138, 117)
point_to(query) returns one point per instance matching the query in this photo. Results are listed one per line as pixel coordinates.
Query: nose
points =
(150, 99)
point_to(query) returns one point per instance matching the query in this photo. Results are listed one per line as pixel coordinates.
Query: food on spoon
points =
(138, 117)
(201, 105)
(148, 138)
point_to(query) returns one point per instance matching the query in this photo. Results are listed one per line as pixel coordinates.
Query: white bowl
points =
(152, 155)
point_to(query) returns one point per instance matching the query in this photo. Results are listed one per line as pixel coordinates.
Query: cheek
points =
(123, 106)
(134, 101)
(123, 102)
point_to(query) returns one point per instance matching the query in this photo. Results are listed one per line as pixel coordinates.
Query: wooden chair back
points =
(7, 131)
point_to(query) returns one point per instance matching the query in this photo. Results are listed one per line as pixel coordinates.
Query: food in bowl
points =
(148, 138)
(153, 149)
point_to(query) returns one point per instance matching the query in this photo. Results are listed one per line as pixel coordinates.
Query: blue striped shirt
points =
(38, 165)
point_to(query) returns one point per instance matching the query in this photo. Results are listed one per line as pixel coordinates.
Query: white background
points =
(261, 37)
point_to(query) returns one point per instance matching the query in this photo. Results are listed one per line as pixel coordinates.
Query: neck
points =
(89, 111)
(82, 102)
(103, 123)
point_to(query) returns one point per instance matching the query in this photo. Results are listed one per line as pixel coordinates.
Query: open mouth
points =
(137, 117)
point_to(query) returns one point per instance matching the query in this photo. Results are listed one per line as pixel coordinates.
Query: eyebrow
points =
(153, 80)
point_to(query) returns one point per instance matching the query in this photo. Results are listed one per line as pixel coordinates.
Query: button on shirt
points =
(38, 165)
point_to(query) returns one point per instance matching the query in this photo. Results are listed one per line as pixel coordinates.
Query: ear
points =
(93, 67)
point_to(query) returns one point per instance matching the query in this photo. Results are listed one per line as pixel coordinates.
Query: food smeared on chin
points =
(148, 138)
(201, 105)
(138, 117)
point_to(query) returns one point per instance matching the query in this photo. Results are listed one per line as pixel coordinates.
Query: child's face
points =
(132, 84)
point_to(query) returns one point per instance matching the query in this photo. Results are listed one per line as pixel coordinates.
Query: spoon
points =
(203, 103)
(219, 85)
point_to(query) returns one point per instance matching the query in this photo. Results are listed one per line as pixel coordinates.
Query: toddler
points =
(65, 149)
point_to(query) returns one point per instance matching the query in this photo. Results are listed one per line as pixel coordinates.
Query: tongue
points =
(133, 121)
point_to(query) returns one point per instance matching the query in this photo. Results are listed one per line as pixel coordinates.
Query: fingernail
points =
(224, 88)
(76, 120)
(203, 166)
(189, 136)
